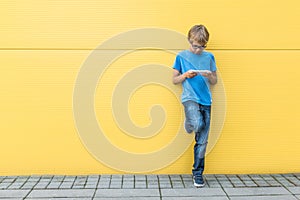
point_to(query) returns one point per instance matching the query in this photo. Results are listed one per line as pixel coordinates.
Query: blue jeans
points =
(198, 120)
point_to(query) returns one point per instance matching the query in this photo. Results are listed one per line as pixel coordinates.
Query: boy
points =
(196, 69)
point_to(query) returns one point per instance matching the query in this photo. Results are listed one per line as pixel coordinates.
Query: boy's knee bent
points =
(195, 126)
(198, 126)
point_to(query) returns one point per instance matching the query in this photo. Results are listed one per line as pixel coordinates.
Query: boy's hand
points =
(206, 74)
(190, 74)
(212, 76)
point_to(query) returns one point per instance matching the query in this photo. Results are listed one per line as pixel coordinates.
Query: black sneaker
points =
(198, 181)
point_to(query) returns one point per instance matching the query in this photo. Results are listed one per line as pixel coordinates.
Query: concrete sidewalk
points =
(152, 187)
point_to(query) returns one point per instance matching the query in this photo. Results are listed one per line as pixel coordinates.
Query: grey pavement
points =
(152, 187)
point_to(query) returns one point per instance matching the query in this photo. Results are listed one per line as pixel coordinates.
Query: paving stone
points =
(54, 185)
(177, 184)
(91, 182)
(253, 186)
(287, 175)
(285, 182)
(66, 185)
(13, 194)
(128, 184)
(95, 176)
(238, 184)
(297, 175)
(22, 178)
(140, 177)
(80, 181)
(262, 183)
(105, 176)
(4, 185)
(188, 184)
(255, 177)
(58, 178)
(221, 177)
(152, 181)
(69, 179)
(175, 177)
(209, 178)
(115, 183)
(90, 185)
(225, 183)
(78, 187)
(213, 184)
(165, 185)
(140, 184)
(152, 177)
(235, 178)
(277, 197)
(16, 186)
(244, 177)
(193, 192)
(236, 181)
(268, 177)
(256, 191)
(46, 177)
(128, 177)
(197, 198)
(116, 186)
(117, 176)
(163, 177)
(50, 193)
(187, 179)
(274, 183)
(34, 178)
(129, 198)
(42, 184)
(294, 181)
(59, 198)
(250, 183)
(294, 190)
(152, 184)
(277, 175)
(8, 180)
(29, 185)
(121, 193)
(189, 176)
(103, 183)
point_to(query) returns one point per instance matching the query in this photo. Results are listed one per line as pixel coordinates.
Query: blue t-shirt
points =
(196, 89)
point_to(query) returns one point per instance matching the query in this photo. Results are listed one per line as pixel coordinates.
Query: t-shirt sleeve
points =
(177, 64)
(213, 66)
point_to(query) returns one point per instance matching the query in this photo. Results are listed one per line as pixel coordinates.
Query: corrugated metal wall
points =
(45, 43)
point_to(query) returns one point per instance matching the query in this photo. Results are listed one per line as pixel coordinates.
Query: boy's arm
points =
(179, 78)
(212, 77)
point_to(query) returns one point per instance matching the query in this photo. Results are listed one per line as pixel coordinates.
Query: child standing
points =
(196, 69)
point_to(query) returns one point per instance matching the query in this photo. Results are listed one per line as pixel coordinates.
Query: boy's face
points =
(196, 47)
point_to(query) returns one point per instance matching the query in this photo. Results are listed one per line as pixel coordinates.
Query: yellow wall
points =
(43, 45)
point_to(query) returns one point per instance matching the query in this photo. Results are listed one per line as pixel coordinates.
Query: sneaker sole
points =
(199, 185)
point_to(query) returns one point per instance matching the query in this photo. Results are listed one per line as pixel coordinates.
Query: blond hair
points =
(198, 33)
